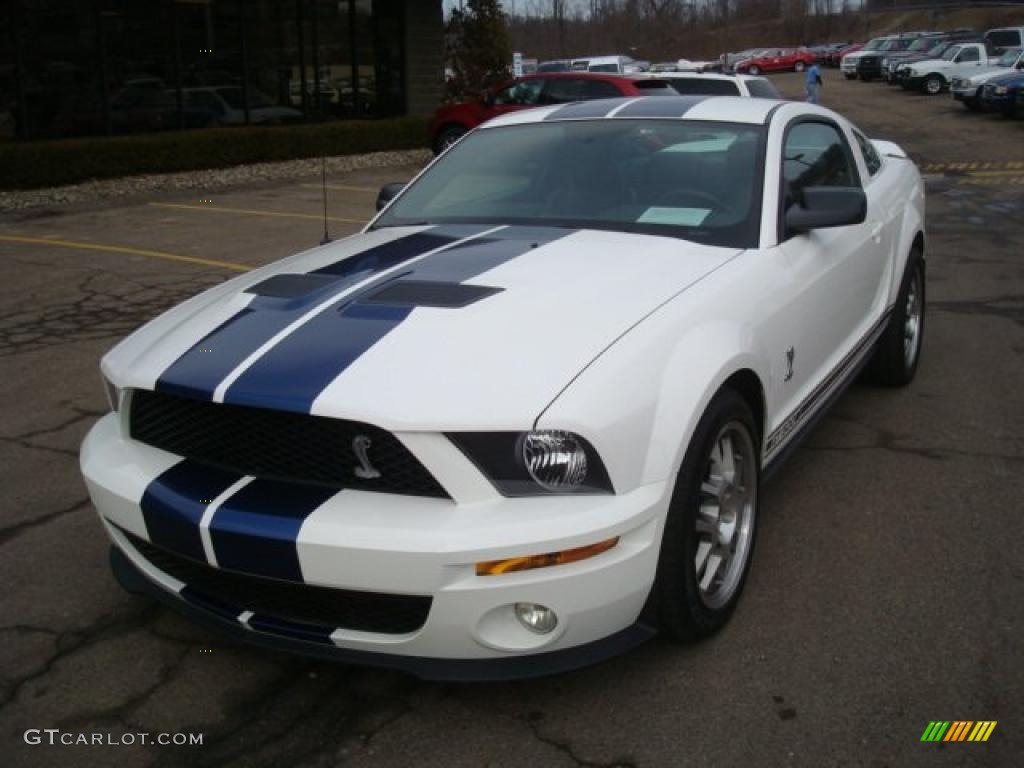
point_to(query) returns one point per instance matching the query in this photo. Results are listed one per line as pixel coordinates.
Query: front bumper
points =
(403, 545)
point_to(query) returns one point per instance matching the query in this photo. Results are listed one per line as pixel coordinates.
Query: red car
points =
(453, 120)
(777, 60)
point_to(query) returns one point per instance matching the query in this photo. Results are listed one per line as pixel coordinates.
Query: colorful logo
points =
(959, 730)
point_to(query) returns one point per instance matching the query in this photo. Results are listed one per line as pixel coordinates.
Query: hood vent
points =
(423, 293)
(291, 286)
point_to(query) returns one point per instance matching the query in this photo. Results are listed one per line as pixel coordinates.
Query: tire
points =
(971, 105)
(850, 75)
(932, 85)
(897, 355)
(688, 611)
(755, 70)
(448, 136)
(799, 66)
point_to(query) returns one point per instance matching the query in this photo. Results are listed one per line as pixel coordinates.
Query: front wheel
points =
(899, 350)
(755, 70)
(850, 75)
(932, 85)
(709, 535)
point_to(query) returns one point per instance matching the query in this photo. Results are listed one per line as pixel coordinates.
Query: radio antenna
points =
(323, 187)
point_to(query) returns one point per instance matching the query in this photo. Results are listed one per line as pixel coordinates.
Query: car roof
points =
(727, 109)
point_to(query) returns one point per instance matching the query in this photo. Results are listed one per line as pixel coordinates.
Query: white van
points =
(617, 64)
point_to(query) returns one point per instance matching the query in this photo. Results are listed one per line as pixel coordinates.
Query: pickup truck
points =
(932, 76)
(966, 88)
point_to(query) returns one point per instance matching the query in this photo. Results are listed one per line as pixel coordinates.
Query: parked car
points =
(611, 64)
(896, 63)
(932, 76)
(558, 65)
(1000, 94)
(870, 64)
(874, 47)
(452, 121)
(714, 84)
(537, 393)
(967, 88)
(229, 104)
(1001, 38)
(777, 60)
(835, 58)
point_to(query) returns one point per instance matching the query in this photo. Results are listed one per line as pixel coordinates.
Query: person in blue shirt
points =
(813, 83)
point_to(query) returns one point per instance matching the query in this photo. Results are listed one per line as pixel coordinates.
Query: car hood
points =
(451, 327)
(988, 73)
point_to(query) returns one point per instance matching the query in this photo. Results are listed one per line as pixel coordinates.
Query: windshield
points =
(921, 44)
(888, 45)
(950, 53)
(1009, 57)
(693, 180)
(873, 45)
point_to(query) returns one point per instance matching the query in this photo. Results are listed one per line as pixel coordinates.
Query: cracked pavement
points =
(885, 591)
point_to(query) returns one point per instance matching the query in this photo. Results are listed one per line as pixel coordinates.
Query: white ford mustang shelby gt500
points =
(521, 420)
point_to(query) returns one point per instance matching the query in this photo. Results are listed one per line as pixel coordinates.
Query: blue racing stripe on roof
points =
(198, 372)
(255, 531)
(292, 374)
(587, 109)
(661, 106)
(174, 503)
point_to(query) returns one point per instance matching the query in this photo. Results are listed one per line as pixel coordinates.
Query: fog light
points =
(536, 618)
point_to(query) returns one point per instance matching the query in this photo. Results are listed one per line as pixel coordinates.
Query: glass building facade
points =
(95, 67)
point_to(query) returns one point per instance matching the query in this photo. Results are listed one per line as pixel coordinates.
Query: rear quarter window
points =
(1004, 38)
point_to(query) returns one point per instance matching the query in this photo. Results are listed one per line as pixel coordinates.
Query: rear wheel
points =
(899, 350)
(755, 70)
(799, 66)
(932, 85)
(709, 535)
(850, 75)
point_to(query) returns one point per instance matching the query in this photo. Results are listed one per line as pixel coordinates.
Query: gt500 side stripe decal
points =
(198, 372)
(292, 374)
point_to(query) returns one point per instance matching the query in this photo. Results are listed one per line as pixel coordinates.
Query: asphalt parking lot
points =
(886, 592)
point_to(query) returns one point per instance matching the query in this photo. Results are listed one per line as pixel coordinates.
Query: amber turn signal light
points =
(494, 567)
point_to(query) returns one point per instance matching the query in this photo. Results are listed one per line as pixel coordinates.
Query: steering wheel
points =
(681, 198)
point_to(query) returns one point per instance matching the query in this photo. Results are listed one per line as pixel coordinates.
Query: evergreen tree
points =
(478, 53)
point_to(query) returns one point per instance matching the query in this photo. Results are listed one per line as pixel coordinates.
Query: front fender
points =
(640, 401)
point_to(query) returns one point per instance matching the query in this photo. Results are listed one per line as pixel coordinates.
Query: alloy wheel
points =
(912, 321)
(725, 519)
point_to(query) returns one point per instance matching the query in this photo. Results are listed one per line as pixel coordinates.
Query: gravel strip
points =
(127, 186)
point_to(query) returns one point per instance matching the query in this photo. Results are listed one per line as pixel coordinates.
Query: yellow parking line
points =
(249, 212)
(342, 187)
(995, 173)
(125, 249)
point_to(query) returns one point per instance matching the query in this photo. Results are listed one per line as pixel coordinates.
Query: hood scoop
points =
(429, 293)
(291, 286)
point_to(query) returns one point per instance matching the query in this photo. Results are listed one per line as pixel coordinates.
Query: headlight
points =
(885, 62)
(535, 463)
(1001, 90)
(113, 394)
(556, 460)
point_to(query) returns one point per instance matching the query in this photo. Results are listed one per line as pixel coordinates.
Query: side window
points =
(967, 55)
(867, 149)
(815, 155)
(523, 93)
(562, 90)
(599, 89)
(701, 85)
(763, 89)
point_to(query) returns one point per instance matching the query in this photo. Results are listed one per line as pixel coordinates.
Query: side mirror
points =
(388, 193)
(823, 207)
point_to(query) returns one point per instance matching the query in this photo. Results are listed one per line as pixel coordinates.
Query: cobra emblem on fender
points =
(361, 446)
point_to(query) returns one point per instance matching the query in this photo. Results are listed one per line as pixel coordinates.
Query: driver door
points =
(827, 278)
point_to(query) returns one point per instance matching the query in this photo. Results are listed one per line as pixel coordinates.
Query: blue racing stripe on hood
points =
(198, 372)
(256, 530)
(293, 373)
(174, 503)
